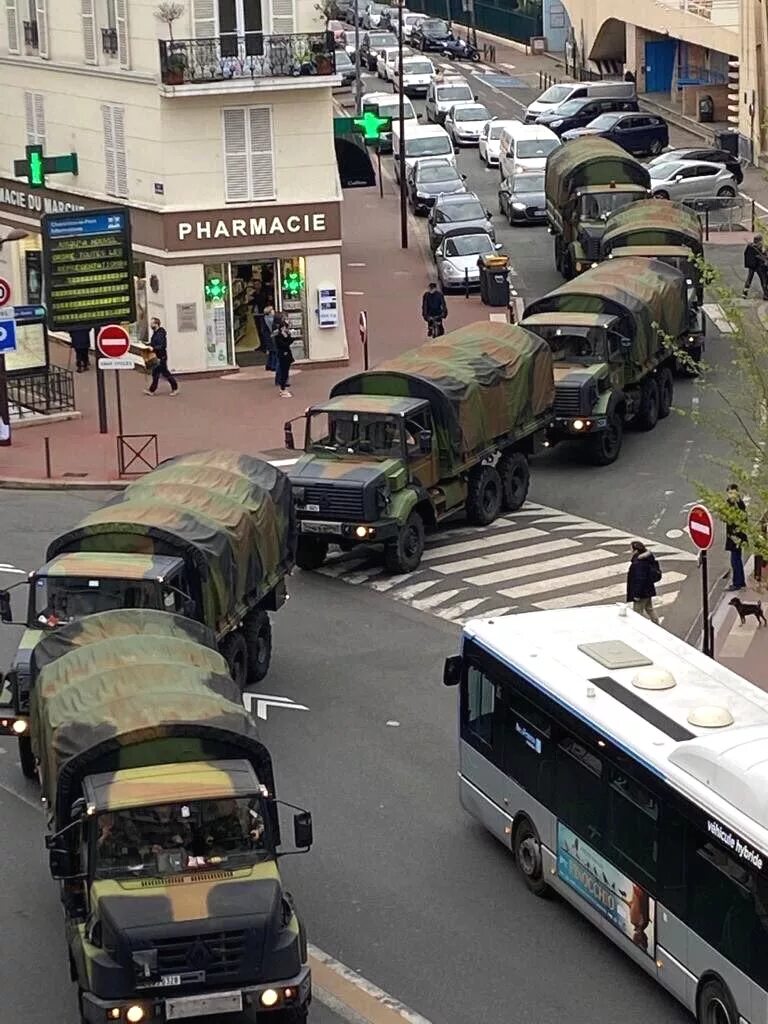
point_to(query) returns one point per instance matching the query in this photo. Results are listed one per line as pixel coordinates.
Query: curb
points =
(54, 484)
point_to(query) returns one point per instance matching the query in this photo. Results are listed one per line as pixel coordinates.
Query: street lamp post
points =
(14, 235)
(401, 120)
(358, 79)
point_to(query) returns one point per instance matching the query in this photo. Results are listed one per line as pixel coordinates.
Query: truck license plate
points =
(168, 980)
(311, 508)
(200, 1006)
(320, 527)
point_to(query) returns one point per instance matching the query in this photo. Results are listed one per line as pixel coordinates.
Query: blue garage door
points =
(659, 65)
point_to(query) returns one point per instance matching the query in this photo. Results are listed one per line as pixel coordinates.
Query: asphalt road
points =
(400, 885)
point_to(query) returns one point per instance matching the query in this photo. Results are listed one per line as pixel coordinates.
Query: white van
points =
(421, 140)
(557, 94)
(417, 75)
(525, 147)
(490, 140)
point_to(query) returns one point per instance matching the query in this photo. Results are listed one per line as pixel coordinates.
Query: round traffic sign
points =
(113, 341)
(5, 292)
(363, 322)
(701, 527)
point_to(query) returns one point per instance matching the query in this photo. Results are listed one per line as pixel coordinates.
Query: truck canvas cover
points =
(651, 293)
(654, 222)
(230, 514)
(122, 680)
(482, 381)
(590, 161)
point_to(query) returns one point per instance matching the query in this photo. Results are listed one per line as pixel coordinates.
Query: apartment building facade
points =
(212, 121)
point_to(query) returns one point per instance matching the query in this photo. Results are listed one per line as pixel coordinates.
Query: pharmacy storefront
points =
(209, 275)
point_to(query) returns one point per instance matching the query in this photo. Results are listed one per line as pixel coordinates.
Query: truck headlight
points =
(269, 997)
(134, 1014)
(361, 532)
(19, 727)
(578, 424)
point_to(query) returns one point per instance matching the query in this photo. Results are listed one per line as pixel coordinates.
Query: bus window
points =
(481, 704)
(634, 815)
(528, 755)
(579, 794)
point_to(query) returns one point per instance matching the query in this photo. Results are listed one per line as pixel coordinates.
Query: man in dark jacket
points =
(755, 261)
(434, 310)
(642, 576)
(81, 343)
(735, 538)
(158, 341)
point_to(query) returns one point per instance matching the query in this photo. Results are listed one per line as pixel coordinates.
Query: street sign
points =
(701, 527)
(363, 327)
(113, 342)
(122, 363)
(28, 312)
(7, 336)
(5, 292)
(264, 701)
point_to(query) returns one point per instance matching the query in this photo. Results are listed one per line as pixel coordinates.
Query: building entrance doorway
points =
(253, 289)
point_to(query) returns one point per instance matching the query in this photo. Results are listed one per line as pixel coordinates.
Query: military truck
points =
(585, 182)
(164, 826)
(209, 535)
(613, 332)
(672, 233)
(445, 428)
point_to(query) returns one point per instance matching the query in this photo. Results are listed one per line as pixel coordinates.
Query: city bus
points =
(627, 772)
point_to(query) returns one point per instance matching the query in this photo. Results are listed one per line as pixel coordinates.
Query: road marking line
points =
(574, 579)
(461, 608)
(617, 590)
(510, 555)
(520, 572)
(427, 603)
(471, 545)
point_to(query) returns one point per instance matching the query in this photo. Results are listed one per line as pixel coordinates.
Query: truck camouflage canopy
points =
(230, 514)
(654, 222)
(482, 381)
(590, 161)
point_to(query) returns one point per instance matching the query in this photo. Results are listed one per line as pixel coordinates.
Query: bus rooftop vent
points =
(614, 654)
(710, 717)
(654, 679)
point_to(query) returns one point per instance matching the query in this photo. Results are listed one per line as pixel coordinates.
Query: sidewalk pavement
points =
(243, 410)
(743, 649)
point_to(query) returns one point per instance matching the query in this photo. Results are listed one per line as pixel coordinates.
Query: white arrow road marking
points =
(7, 567)
(264, 701)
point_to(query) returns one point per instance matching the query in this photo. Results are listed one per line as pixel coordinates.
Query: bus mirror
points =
(452, 671)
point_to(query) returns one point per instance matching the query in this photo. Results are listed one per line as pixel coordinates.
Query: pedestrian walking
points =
(158, 342)
(81, 343)
(735, 538)
(756, 262)
(284, 357)
(643, 574)
(434, 310)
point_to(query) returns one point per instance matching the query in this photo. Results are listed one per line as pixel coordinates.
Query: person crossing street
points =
(159, 343)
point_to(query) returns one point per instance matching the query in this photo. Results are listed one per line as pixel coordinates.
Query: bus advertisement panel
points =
(623, 903)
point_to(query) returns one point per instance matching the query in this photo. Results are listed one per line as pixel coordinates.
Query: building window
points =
(36, 29)
(88, 25)
(249, 172)
(116, 178)
(34, 110)
(12, 19)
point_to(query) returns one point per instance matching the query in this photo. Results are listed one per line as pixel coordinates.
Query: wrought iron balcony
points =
(251, 56)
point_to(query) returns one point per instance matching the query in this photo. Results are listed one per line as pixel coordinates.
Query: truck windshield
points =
(169, 839)
(600, 205)
(61, 599)
(355, 433)
(575, 344)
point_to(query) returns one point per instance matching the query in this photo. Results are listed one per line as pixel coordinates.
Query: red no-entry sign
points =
(5, 292)
(701, 527)
(113, 341)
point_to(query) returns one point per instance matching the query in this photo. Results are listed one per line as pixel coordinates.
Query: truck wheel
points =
(257, 631)
(27, 758)
(484, 495)
(311, 552)
(666, 392)
(235, 652)
(515, 480)
(526, 847)
(566, 265)
(404, 554)
(648, 413)
(603, 448)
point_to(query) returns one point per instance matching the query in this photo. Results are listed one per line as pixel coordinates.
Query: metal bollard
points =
(47, 442)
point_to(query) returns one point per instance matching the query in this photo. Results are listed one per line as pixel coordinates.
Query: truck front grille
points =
(591, 247)
(567, 401)
(344, 502)
(219, 954)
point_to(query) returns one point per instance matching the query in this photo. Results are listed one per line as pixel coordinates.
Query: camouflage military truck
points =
(672, 233)
(164, 826)
(209, 535)
(585, 182)
(613, 333)
(441, 429)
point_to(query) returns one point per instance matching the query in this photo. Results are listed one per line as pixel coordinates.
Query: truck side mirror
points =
(6, 614)
(288, 436)
(60, 862)
(303, 835)
(452, 670)
(425, 442)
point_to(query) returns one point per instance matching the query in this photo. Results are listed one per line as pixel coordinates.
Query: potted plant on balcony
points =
(175, 57)
(321, 59)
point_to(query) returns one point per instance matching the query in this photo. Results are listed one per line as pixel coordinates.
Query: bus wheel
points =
(527, 850)
(715, 1004)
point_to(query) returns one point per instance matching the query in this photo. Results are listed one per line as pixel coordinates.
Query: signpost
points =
(363, 323)
(5, 292)
(701, 530)
(7, 344)
(113, 342)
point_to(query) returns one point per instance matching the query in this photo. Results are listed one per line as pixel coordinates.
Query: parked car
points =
(450, 212)
(373, 14)
(489, 145)
(441, 96)
(387, 60)
(637, 133)
(578, 113)
(428, 179)
(456, 258)
(431, 34)
(410, 21)
(522, 198)
(691, 179)
(345, 9)
(371, 42)
(418, 72)
(465, 121)
(556, 95)
(710, 156)
(345, 67)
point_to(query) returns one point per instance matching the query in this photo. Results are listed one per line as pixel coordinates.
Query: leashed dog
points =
(743, 609)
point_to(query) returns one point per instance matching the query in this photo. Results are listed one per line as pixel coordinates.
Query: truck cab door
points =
(423, 466)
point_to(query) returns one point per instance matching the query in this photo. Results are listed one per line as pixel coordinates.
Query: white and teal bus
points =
(629, 773)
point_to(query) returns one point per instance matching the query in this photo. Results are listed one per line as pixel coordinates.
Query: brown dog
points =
(743, 610)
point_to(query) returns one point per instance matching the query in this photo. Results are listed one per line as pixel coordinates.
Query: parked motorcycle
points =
(460, 49)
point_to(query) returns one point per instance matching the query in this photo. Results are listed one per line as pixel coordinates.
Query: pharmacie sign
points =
(37, 202)
(250, 226)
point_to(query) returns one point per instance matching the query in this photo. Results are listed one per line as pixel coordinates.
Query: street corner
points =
(741, 632)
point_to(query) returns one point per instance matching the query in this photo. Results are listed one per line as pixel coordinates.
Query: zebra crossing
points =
(537, 558)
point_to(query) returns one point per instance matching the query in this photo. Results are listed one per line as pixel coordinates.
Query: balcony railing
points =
(254, 55)
(694, 74)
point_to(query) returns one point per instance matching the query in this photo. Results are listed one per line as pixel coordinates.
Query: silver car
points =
(465, 122)
(690, 179)
(457, 257)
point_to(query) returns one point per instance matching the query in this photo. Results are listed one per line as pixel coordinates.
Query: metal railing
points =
(41, 392)
(136, 454)
(253, 55)
(723, 213)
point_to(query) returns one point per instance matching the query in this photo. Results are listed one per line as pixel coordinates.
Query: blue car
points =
(638, 133)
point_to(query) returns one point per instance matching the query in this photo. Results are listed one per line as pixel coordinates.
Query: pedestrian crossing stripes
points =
(536, 558)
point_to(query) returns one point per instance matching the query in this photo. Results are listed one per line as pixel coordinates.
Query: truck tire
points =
(404, 553)
(27, 758)
(515, 480)
(311, 552)
(648, 413)
(603, 448)
(257, 631)
(484, 495)
(566, 265)
(234, 650)
(666, 392)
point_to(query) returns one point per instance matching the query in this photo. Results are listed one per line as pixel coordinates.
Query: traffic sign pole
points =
(701, 530)
(363, 324)
(5, 411)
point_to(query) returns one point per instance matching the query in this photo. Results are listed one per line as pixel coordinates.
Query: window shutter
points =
(123, 38)
(204, 16)
(283, 20)
(121, 162)
(235, 155)
(41, 12)
(12, 16)
(29, 111)
(39, 118)
(109, 150)
(89, 31)
(262, 167)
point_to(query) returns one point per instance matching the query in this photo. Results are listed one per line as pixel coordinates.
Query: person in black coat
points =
(81, 343)
(433, 310)
(735, 539)
(642, 575)
(284, 357)
(158, 341)
(756, 262)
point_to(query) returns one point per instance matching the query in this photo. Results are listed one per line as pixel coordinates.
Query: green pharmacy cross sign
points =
(36, 165)
(370, 126)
